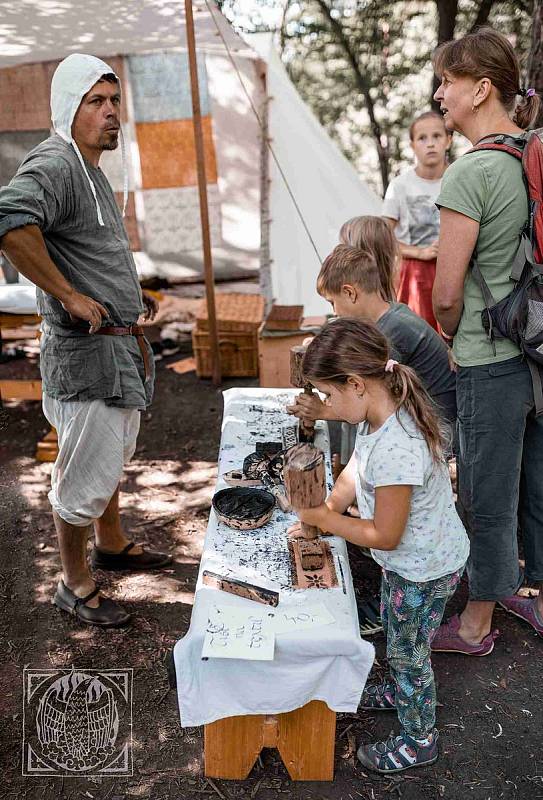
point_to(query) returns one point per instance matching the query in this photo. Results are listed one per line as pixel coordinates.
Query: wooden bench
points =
(305, 739)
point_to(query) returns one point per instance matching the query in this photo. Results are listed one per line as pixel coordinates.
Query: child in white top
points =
(400, 479)
(410, 209)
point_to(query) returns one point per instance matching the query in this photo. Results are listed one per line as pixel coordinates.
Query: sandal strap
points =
(128, 547)
(80, 601)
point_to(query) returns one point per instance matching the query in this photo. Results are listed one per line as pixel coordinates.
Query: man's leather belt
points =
(132, 330)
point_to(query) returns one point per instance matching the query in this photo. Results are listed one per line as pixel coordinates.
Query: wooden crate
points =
(234, 311)
(239, 353)
(274, 358)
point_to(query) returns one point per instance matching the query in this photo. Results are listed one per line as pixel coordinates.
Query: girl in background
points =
(410, 210)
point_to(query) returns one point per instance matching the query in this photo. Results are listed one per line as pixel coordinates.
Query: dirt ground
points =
(490, 710)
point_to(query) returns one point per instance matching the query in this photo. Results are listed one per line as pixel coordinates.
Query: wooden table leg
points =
(306, 742)
(232, 745)
(305, 739)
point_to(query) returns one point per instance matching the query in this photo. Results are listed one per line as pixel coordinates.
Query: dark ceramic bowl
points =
(244, 508)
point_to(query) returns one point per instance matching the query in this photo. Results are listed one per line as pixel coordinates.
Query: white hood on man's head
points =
(73, 78)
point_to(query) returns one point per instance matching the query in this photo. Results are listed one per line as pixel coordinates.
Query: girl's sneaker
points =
(398, 753)
(379, 697)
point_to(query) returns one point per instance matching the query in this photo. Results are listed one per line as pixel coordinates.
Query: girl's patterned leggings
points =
(411, 614)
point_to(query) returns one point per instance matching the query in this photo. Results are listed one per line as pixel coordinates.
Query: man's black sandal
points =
(148, 559)
(108, 614)
(370, 617)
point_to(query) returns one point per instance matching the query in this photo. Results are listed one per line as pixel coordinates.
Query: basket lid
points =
(237, 310)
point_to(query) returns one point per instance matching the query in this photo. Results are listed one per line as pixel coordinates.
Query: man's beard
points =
(109, 142)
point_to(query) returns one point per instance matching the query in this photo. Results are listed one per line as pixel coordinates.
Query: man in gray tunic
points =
(61, 228)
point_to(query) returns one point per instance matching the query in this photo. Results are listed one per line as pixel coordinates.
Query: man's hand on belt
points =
(79, 306)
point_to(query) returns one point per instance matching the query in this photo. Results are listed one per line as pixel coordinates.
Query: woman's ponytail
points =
(527, 110)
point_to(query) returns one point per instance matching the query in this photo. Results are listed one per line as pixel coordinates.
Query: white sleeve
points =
(392, 201)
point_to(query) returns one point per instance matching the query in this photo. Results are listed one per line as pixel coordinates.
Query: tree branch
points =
(483, 13)
(364, 88)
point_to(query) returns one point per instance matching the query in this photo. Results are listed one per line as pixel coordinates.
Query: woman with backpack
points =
(483, 208)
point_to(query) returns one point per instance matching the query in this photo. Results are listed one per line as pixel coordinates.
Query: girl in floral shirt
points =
(399, 477)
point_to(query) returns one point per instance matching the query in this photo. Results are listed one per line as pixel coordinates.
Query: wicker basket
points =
(239, 353)
(235, 312)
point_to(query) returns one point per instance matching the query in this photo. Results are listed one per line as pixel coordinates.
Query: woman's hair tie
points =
(526, 92)
(389, 366)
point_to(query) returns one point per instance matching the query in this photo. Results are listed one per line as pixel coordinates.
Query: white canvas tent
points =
(325, 186)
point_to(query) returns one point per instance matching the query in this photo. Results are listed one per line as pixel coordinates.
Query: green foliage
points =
(391, 44)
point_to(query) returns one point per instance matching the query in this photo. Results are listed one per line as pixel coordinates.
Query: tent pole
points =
(202, 189)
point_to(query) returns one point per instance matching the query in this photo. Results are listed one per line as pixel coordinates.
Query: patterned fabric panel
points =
(161, 86)
(172, 220)
(25, 93)
(130, 221)
(168, 155)
(14, 145)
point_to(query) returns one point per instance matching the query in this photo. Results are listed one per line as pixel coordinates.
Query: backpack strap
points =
(514, 145)
(525, 253)
(537, 385)
(488, 298)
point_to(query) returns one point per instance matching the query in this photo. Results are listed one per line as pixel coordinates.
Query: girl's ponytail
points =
(406, 387)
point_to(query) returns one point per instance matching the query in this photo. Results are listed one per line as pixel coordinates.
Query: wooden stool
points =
(305, 739)
(47, 449)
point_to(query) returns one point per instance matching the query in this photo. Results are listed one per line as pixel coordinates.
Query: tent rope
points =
(263, 134)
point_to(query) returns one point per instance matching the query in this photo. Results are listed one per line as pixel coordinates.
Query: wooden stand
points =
(47, 449)
(305, 739)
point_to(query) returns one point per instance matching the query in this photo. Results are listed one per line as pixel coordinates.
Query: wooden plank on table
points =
(20, 390)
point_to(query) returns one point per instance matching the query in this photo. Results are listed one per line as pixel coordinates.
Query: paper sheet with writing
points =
(300, 618)
(234, 633)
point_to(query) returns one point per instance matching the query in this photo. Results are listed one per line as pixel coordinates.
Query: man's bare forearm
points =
(25, 248)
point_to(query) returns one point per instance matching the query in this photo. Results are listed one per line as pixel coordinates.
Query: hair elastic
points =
(389, 366)
(526, 92)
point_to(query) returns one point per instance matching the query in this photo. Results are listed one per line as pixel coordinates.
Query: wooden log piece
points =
(304, 475)
(307, 426)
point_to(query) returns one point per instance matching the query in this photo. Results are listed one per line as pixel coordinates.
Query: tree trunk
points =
(446, 23)
(534, 73)
(364, 88)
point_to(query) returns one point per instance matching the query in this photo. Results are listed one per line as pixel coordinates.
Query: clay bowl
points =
(243, 508)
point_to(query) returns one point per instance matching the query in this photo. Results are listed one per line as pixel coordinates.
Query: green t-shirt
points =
(486, 186)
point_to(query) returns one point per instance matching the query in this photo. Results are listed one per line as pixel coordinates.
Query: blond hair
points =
(373, 235)
(485, 53)
(347, 347)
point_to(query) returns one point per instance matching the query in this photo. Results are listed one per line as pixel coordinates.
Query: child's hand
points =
(309, 407)
(312, 516)
(317, 516)
(295, 531)
(428, 253)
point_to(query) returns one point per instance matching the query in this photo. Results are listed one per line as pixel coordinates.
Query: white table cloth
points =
(329, 663)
